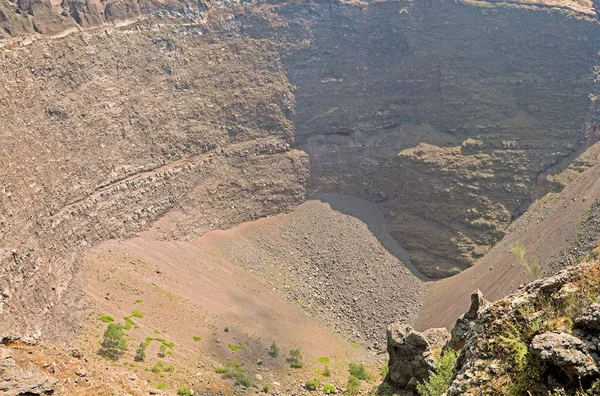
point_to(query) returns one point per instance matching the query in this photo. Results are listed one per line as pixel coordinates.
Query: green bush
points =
(312, 384)
(326, 372)
(161, 367)
(197, 338)
(234, 371)
(353, 386)
(140, 353)
(274, 350)
(295, 359)
(161, 386)
(114, 344)
(137, 314)
(438, 382)
(329, 389)
(266, 389)
(184, 391)
(358, 370)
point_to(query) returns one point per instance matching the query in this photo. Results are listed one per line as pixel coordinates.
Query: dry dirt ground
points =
(190, 289)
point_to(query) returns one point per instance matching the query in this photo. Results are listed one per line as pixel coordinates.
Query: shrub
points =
(324, 360)
(140, 353)
(274, 350)
(137, 314)
(329, 389)
(114, 344)
(129, 323)
(184, 391)
(234, 371)
(266, 389)
(533, 268)
(358, 370)
(437, 383)
(161, 352)
(326, 372)
(353, 386)
(312, 384)
(295, 359)
(161, 386)
(197, 338)
(226, 329)
(106, 318)
(138, 301)
(161, 367)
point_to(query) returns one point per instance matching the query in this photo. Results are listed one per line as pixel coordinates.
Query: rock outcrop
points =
(544, 337)
(18, 381)
(412, 354)
(228, 114)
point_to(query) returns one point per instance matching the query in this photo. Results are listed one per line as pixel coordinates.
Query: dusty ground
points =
(187, 289)
(329, 256)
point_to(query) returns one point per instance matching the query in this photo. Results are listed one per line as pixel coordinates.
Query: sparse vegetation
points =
(533, 268)
(138, 301)
(358, 370)
(137, 314)
(114, 344)
(438, 382)
(106, 318)
(162, 351)
(353, 386)
(161, 368)
(329, 389)
(274, 350)
(140, 353)
(184, 391)
(324, 360)
(312, 384)
(161, 386)
(234, 347)
(234, 371)
(295, 359)
(129, 323)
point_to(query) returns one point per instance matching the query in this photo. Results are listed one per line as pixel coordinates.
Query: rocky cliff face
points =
(541, 339)
(442, 112)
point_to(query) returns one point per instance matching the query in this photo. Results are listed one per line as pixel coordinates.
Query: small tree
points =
(274, 350)
(114, 344)
(295, 359)
(140, 353)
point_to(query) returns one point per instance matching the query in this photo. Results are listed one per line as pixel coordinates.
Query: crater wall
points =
(442, 112)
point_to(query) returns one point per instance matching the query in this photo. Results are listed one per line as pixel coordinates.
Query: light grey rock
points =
(566, 352)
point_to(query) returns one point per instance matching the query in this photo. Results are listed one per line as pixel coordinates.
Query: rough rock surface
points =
(411, 357)
(590, 318)
(566, 352)
(237, 112)
(18, 381)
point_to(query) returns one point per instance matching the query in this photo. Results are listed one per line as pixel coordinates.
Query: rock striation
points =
(227, 111)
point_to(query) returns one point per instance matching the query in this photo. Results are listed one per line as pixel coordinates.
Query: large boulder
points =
(566, 352)
(411, 357)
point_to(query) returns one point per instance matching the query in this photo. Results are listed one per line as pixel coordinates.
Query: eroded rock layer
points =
(443, 112)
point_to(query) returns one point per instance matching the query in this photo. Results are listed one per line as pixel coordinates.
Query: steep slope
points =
(442, 112)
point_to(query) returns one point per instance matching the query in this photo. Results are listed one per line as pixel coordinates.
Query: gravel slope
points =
(328, 256)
